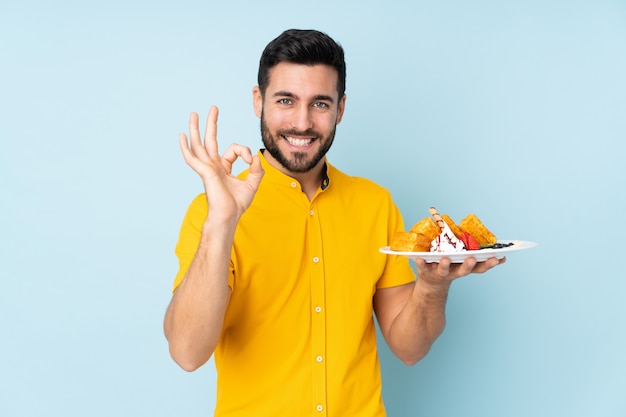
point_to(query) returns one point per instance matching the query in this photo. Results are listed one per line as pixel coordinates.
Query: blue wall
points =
(513, 110)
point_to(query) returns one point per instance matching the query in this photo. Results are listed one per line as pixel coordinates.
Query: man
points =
(280, 273)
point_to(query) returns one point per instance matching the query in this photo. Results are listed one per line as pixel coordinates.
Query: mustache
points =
(293, 132)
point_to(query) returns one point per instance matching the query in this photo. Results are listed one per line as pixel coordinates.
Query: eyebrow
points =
(319, 97)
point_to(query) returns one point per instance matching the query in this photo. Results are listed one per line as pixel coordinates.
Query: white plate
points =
(459, 257)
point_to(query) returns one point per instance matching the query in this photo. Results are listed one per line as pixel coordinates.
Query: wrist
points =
(219, 231)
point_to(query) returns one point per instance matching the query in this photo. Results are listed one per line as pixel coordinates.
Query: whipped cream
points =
(446, 241)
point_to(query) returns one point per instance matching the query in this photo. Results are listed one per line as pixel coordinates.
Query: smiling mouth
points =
(300, 142)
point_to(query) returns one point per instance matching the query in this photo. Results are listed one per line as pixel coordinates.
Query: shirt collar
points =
(325, 177)
(275, 175)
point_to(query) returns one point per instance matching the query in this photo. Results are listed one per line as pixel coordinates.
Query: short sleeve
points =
(397, 270)
(189, 239)
(189, 236)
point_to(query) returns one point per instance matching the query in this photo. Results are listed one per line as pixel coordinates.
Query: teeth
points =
(298, 142)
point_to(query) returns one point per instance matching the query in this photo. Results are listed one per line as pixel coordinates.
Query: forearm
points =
(194, 319)
(419, 323)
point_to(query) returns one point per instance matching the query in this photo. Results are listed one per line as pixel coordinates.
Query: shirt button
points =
(318, 309)
(294, 185)
(312, 212)
(319, 407)
(319, 359)
(316, 259)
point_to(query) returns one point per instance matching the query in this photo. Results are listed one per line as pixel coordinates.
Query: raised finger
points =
(195, 143)
(210, 135)
(194, 131)
(184, 145)
(188, 155)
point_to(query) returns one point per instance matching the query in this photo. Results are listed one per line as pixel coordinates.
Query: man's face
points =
(299, 114)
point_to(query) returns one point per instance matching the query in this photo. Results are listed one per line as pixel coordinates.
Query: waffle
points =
(427, 227)
(472, 225)
(452, 225)
(410, 242)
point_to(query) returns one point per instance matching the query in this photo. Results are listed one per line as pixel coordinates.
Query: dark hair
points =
(307, 47)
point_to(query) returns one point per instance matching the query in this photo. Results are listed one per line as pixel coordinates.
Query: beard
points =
(296, 162)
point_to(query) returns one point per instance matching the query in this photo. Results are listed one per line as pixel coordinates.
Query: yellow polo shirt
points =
(299, 336)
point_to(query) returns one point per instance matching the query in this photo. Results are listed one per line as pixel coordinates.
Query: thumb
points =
(255, 173)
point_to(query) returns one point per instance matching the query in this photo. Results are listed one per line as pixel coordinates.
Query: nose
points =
(302, 120)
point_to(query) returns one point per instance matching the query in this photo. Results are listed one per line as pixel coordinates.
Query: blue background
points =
(513, 110)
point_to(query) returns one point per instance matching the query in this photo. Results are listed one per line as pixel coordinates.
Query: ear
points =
(340, 108)
(257, 101)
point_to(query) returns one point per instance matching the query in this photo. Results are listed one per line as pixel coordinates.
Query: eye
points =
(285, 101)
(320, 104)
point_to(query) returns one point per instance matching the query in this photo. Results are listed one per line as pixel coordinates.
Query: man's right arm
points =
(194, 319)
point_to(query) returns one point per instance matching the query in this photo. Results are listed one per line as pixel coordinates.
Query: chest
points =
(289, 245)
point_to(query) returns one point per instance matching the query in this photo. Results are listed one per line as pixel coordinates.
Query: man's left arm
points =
(412, 316)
